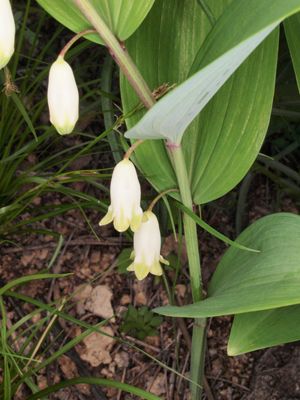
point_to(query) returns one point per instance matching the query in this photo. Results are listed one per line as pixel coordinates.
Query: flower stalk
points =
(132, 148)
(160, 196)
(73, 40)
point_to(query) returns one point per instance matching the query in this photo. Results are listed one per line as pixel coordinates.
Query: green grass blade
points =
(30, 278)
(107, 104)
(96, 381)
(209, 229)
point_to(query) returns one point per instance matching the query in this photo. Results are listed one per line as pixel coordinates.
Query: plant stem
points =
(118, 52)
(161, 195)
(73, 40)
(133, 147)
(190, 230)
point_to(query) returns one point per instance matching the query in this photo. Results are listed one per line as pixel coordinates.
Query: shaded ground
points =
(265, 374)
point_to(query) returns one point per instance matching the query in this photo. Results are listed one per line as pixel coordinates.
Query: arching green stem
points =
(159, 196)
(133, 147)
(73, 40)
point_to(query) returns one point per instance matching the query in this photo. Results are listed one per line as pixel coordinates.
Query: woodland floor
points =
(266, 374)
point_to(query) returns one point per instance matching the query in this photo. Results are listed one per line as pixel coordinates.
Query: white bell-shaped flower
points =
(125, 194)
(146, 248)
(63, 97)
(7, 32)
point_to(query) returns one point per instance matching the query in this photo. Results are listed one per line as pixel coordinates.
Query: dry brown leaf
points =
(97, 347)
(99, 302)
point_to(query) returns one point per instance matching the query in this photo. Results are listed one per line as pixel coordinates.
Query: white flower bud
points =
(146, 248)
(7, 32)
(125, 194)
(63, 97)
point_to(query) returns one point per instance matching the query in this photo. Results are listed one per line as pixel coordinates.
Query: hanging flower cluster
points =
(125, 191)
(125, 211)
(7, 33)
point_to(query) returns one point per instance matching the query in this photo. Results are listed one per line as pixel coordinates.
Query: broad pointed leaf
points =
(230, 42)
(292, 32)
(123, 17)
(164, 50)
(260, 329)
(222, 142)
(169, 118)
(245, 281)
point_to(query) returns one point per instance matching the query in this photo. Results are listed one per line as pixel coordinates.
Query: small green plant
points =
(140, 323)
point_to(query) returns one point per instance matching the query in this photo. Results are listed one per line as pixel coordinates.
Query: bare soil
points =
(265, 374)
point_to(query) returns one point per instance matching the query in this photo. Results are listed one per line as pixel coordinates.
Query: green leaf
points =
(151, 331)
(260, 329)
(94, 381)
(29, 278)
(156, 321)
(140, 322)
(169, 118)
(231, 41)
(292, 32)
(23, 111)
(211, 230)
(123, 17)
(222, 142)
(126, 327)
(132, 313)
(245, 281)
(148, 317)
(141, 335)
(124, 261)
(143, 310)
(174, 262)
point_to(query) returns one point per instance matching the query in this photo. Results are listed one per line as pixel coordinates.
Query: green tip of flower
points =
(162, 260)
(107, 219)
(156, 269)
(131, 267)
(136, 222)
(141, 270)
(145, 217)
(121, 223)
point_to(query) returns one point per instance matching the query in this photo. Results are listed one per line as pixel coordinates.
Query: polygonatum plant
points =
(195, 144)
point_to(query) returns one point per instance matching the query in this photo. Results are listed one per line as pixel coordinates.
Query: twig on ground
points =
(183, 371)
(143, 344)
(123, 380)
(83, 241)
(228, 381)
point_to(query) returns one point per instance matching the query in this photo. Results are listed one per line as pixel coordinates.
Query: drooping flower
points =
(7, 33)
(63, 97)
(125, 194)
(146, 248)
